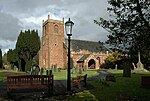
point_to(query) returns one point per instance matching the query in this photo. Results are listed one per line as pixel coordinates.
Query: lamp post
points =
(68, 28)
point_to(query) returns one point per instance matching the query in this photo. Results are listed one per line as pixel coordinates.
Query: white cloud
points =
(16, 15)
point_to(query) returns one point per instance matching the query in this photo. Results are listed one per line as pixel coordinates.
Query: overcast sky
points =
(17, 15)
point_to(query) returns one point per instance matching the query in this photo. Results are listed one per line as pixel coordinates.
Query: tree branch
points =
(141, 14)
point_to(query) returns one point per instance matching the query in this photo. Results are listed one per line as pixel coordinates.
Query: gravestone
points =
(134, 67)
(55, 68)
(33, 70)
(140, 66)
(126, 68)
(37, 70)
(80, 70)
(41, 71)
(116, 66)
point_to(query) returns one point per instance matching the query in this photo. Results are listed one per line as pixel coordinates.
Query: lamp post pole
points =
(68, 75)
(68, 26)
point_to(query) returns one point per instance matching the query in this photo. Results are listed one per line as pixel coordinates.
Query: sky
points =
(17, 15)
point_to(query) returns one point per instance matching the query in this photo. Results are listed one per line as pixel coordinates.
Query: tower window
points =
(55, 29)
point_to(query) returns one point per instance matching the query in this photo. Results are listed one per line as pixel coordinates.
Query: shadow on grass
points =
(124, 89)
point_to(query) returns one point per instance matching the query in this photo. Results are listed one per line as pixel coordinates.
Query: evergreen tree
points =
(4, 59)
(27, 46)
(1, 64)
(12, 58)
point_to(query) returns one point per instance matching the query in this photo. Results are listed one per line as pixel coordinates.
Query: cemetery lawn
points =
(124, 89)
(1, 75)
(62, 75)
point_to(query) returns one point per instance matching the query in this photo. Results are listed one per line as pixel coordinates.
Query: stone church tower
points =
(52, 46)
(53, 51)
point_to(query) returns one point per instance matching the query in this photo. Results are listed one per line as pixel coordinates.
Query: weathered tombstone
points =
(55, 68)
(126, 69)
(50, 72)
(41, 71)
(76, 68)
(134, 66)
(116, 66)
(33, 70)
(140, 66)
(73, 70)
(46, 72)
(15, 68)
(37, 70)
(80, 70)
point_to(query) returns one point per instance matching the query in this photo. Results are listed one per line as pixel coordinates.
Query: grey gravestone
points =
(126, 69)
(37, 70)
(55, 68)
(140, 66)
(116, 66)
(41, 71)
(33, 70)
(134, 66)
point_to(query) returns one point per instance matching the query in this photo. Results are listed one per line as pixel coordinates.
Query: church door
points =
(91, 64)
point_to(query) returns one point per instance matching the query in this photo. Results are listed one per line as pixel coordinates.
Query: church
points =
(54, 48)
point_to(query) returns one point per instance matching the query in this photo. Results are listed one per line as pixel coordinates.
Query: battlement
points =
(49, 20)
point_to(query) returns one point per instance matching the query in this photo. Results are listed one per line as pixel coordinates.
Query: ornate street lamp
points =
(68, 27)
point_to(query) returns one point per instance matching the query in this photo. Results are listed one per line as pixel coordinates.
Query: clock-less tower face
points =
(52, 43)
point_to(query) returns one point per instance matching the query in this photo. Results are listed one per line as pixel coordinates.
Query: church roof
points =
(77, 45)
(84, 57)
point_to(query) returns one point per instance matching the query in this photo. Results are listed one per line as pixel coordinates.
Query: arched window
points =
(55, 29)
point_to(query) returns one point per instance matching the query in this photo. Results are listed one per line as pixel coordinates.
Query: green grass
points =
(124, 89)
(1, 75)
(63, 74)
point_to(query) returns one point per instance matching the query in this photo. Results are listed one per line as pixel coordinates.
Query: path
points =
(30, 94)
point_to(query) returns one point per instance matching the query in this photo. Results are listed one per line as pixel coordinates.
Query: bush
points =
(107, 65)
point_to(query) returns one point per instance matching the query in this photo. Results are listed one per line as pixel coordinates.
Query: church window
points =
(55, 29)
(43, 41)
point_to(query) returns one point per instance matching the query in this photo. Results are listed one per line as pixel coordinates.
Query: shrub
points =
(107, 65)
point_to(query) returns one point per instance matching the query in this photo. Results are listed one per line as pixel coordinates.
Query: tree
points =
(1, 64)
(129, 20)
(27, 46)
(4, 59)
(12, 57)
(114, 58)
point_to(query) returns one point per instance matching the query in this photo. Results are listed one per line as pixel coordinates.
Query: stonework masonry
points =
(53, 51)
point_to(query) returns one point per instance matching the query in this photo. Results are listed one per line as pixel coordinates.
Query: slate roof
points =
(77, 45)
(84, 57)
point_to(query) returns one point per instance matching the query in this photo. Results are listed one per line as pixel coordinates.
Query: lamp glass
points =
(68, 26)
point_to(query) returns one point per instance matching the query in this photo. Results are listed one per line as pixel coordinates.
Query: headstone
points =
(134, 66)
(50, 72)
(140, 66)
(55, 67)
(73, 70)
(37, 70)
(33, 70)
(80, 70)
(116, 67)
(41, 71)
(126, 69)
(46, 72)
